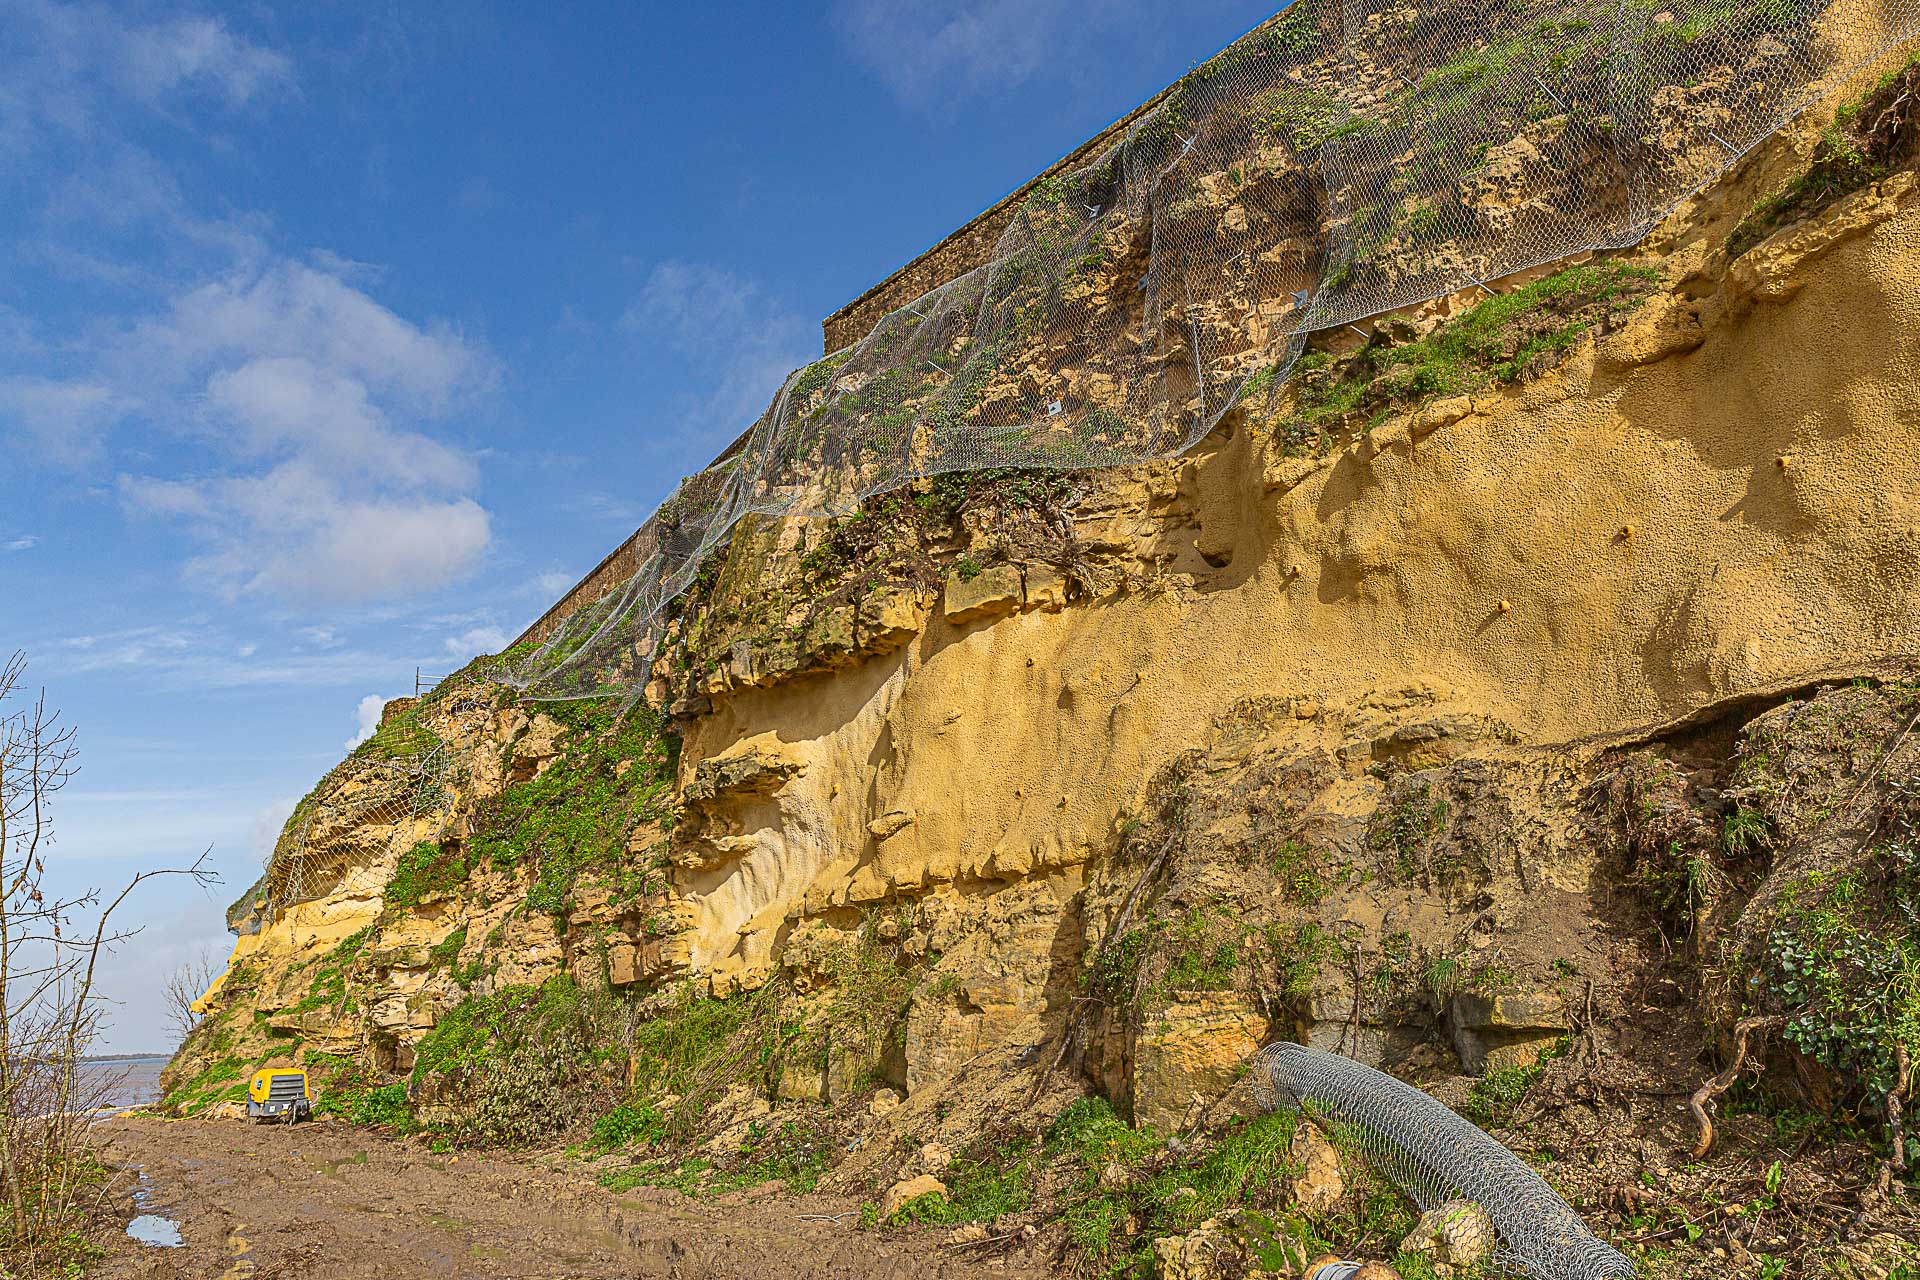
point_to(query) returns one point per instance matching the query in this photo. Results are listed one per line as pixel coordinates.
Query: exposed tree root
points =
(1713, 1088)
(1896, 1118)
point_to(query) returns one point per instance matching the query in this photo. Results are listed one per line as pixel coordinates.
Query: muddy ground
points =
(330, 1200)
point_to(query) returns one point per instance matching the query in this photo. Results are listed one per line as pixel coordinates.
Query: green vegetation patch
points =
(1506, 338)
(328, 986)
(675, 1051)
(1306, 877)
(403, 737)
(428, 870)
(1405, 827)
(446, 952)
(1495, 1095)
(521, 1064)
(574, 819)
(629, 1124)
(1126, 1188)
(1870, 138)
(1843, 962)
(787, 1152)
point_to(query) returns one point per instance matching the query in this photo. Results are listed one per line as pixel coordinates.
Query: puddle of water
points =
(151, 1229)
(332, 1168)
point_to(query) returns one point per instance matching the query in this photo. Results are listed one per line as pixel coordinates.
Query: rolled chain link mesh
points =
(1347, 158)
(1436, 1157)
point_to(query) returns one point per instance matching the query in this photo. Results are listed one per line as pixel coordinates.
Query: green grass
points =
(1857, 150)
(1501, 340)
(1112, 1222)
(1305, 879)
(788, 1153)
(673, 1051)
(1407, 826)
(403, 737)
(427, 870)
(383, 1105)
(1495, 1095)
(328, 986)
(446, 952)
(978, 1190)
(572, 821)
(1206, 952)
(630, 1124)
(1744, 831)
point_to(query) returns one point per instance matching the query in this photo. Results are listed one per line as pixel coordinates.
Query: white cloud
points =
(25, 542)
(298, 312)
(553, 583)
(316, 395)
(187, 52)
(929, 51)
(731, 334)
(200, 657)
(367, 715)
(61, 422)
(471, 644)
(133, 647)
(83, 55)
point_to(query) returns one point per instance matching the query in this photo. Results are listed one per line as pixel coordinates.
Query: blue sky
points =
(338, 339)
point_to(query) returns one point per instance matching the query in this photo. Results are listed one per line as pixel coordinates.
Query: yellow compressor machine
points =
(279, 1093)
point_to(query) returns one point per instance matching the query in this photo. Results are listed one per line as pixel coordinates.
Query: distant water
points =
(121, 1082)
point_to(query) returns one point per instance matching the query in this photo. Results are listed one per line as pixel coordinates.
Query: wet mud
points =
(269, 1202)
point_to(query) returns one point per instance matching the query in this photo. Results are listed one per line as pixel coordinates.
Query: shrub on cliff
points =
(1828, 945)
(1870, 137)
(520, 1065)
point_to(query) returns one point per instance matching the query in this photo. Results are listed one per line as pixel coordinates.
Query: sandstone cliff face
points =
(1717, 498)
(1314, 725)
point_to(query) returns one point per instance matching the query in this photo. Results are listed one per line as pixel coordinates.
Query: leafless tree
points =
(184, 986)
(51, 1181)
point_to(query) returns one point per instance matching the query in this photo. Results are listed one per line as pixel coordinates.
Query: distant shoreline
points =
(126, 1057)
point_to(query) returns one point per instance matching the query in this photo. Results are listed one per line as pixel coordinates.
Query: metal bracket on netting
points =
(1731, 149)
(1558, 101)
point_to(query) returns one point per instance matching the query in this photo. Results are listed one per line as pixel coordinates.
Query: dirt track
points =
(325, 1200)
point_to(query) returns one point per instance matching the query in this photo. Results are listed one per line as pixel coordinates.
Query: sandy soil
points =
(329, 1200)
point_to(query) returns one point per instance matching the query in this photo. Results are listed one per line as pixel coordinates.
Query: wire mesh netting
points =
(1347, 158)
(1436, 1158)
(392, 793)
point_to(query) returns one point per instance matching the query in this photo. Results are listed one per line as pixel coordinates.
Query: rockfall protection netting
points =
(1436, 1157)
(1348, 158)
(392, 793)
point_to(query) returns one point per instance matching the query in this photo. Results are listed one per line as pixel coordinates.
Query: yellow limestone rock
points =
(1321, 1184)
(903, 1193)
(1192, 1048)
(988, 593)
(1457, 1233)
